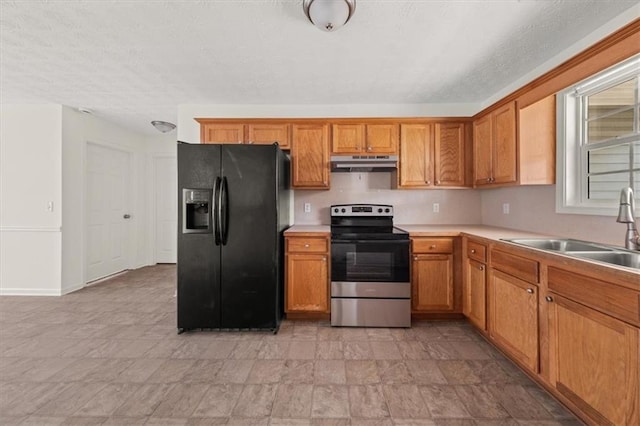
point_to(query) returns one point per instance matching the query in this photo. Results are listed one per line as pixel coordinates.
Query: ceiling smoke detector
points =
(163, 126)
(329, 15)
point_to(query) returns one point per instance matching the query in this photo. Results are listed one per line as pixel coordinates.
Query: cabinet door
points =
(307, 288)
(594, 362)
(382, 138)
(504, 144)
(474, 301)
(482, 147)
(416, 156)
(537, 142)
(310, 156)
(513, 317)
(269, 133)
(347, 139)
(449, 154)
(432, 282)
(222, 133)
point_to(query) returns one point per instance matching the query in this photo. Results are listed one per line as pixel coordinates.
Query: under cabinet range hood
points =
(364, 163)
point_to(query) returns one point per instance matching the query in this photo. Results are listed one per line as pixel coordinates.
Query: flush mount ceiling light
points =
(329, 15)
(163, 126)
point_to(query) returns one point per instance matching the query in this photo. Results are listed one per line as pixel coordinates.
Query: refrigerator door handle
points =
(223, 207)
(216, 211)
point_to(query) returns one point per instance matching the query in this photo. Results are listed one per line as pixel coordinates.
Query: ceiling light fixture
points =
(329, 15)
(163, 126)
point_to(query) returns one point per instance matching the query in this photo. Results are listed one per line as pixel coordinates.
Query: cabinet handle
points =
(369, 148)
(432, 246)
(473, 251)
(481, 268)
(250, 142)
(307, 245)
(437, 182)
(488, 180)
(415, 257)
(428, 182)
(324, 258)
(548, 299)
(530, 290)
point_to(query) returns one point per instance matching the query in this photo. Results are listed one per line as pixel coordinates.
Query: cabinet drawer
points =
(620, 302)
(432, 245)
(519, 267)
(307, 245)
(477, 251)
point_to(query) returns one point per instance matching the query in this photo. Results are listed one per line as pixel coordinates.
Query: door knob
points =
(127, 216)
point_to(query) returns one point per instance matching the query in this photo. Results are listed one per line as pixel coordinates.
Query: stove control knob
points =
(335, 210)
(344, 210)
(386, 210)
(379, 210)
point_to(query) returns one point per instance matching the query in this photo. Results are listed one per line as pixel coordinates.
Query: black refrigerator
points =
(233, 209)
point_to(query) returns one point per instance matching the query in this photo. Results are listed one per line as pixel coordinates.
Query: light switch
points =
(50, 206)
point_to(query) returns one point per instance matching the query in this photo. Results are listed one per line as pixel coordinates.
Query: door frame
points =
(85, 210)
(153, 203)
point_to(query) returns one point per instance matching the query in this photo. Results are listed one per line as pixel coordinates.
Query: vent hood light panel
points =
(364, 163)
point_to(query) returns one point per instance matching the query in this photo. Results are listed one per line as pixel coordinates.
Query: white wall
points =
(30, 178)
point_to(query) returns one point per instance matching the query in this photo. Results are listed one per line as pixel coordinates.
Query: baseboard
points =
(29, 292)
(71, 289)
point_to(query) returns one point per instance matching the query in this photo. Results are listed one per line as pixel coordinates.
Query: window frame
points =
(571, 185)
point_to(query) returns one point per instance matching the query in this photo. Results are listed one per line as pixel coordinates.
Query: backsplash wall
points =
(533, 208)
(411, 206)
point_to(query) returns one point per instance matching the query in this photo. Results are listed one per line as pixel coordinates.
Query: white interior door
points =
(107, 203)
(166, 208)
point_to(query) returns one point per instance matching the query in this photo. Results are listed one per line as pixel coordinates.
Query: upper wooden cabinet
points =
(502, 158)
(358, 138)
(537, 142)
(247, 132)
(495, 147)
(432, 154)
(310, 156)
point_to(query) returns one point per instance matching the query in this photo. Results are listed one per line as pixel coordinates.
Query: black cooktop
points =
(364, 222)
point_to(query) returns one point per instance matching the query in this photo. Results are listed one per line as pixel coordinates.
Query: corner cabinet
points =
(495, 147)
(432, 275)
(474, 302)
(432, 155)
(310, 156)
(307, 273)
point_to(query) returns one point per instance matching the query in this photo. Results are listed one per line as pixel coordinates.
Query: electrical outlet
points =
(505, 208)
(50, 206)
(436, 207)
(307, 207)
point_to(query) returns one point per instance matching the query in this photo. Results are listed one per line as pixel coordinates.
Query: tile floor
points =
(109, 354)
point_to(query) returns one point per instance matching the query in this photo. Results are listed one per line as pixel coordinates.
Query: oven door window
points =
(376, 261)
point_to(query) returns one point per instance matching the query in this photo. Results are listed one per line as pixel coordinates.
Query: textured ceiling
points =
(134, 61)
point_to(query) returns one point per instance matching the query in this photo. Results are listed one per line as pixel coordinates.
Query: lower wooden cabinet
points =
(432, 275)
(474, 304)
(307, 274)
(513, 317)
(594, 362)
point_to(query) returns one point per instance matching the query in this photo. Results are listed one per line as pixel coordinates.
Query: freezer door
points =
(198, 264)
(250, 253)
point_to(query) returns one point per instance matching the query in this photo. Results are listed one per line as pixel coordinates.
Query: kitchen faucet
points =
(626, 215)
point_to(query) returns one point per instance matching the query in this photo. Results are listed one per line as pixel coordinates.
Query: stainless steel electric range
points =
(370, 284)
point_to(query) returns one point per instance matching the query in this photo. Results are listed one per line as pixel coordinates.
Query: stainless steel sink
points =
(584, 250)
(620, 258)
(562, 245)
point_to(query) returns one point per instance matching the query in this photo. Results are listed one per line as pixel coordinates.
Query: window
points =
(599, 140)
